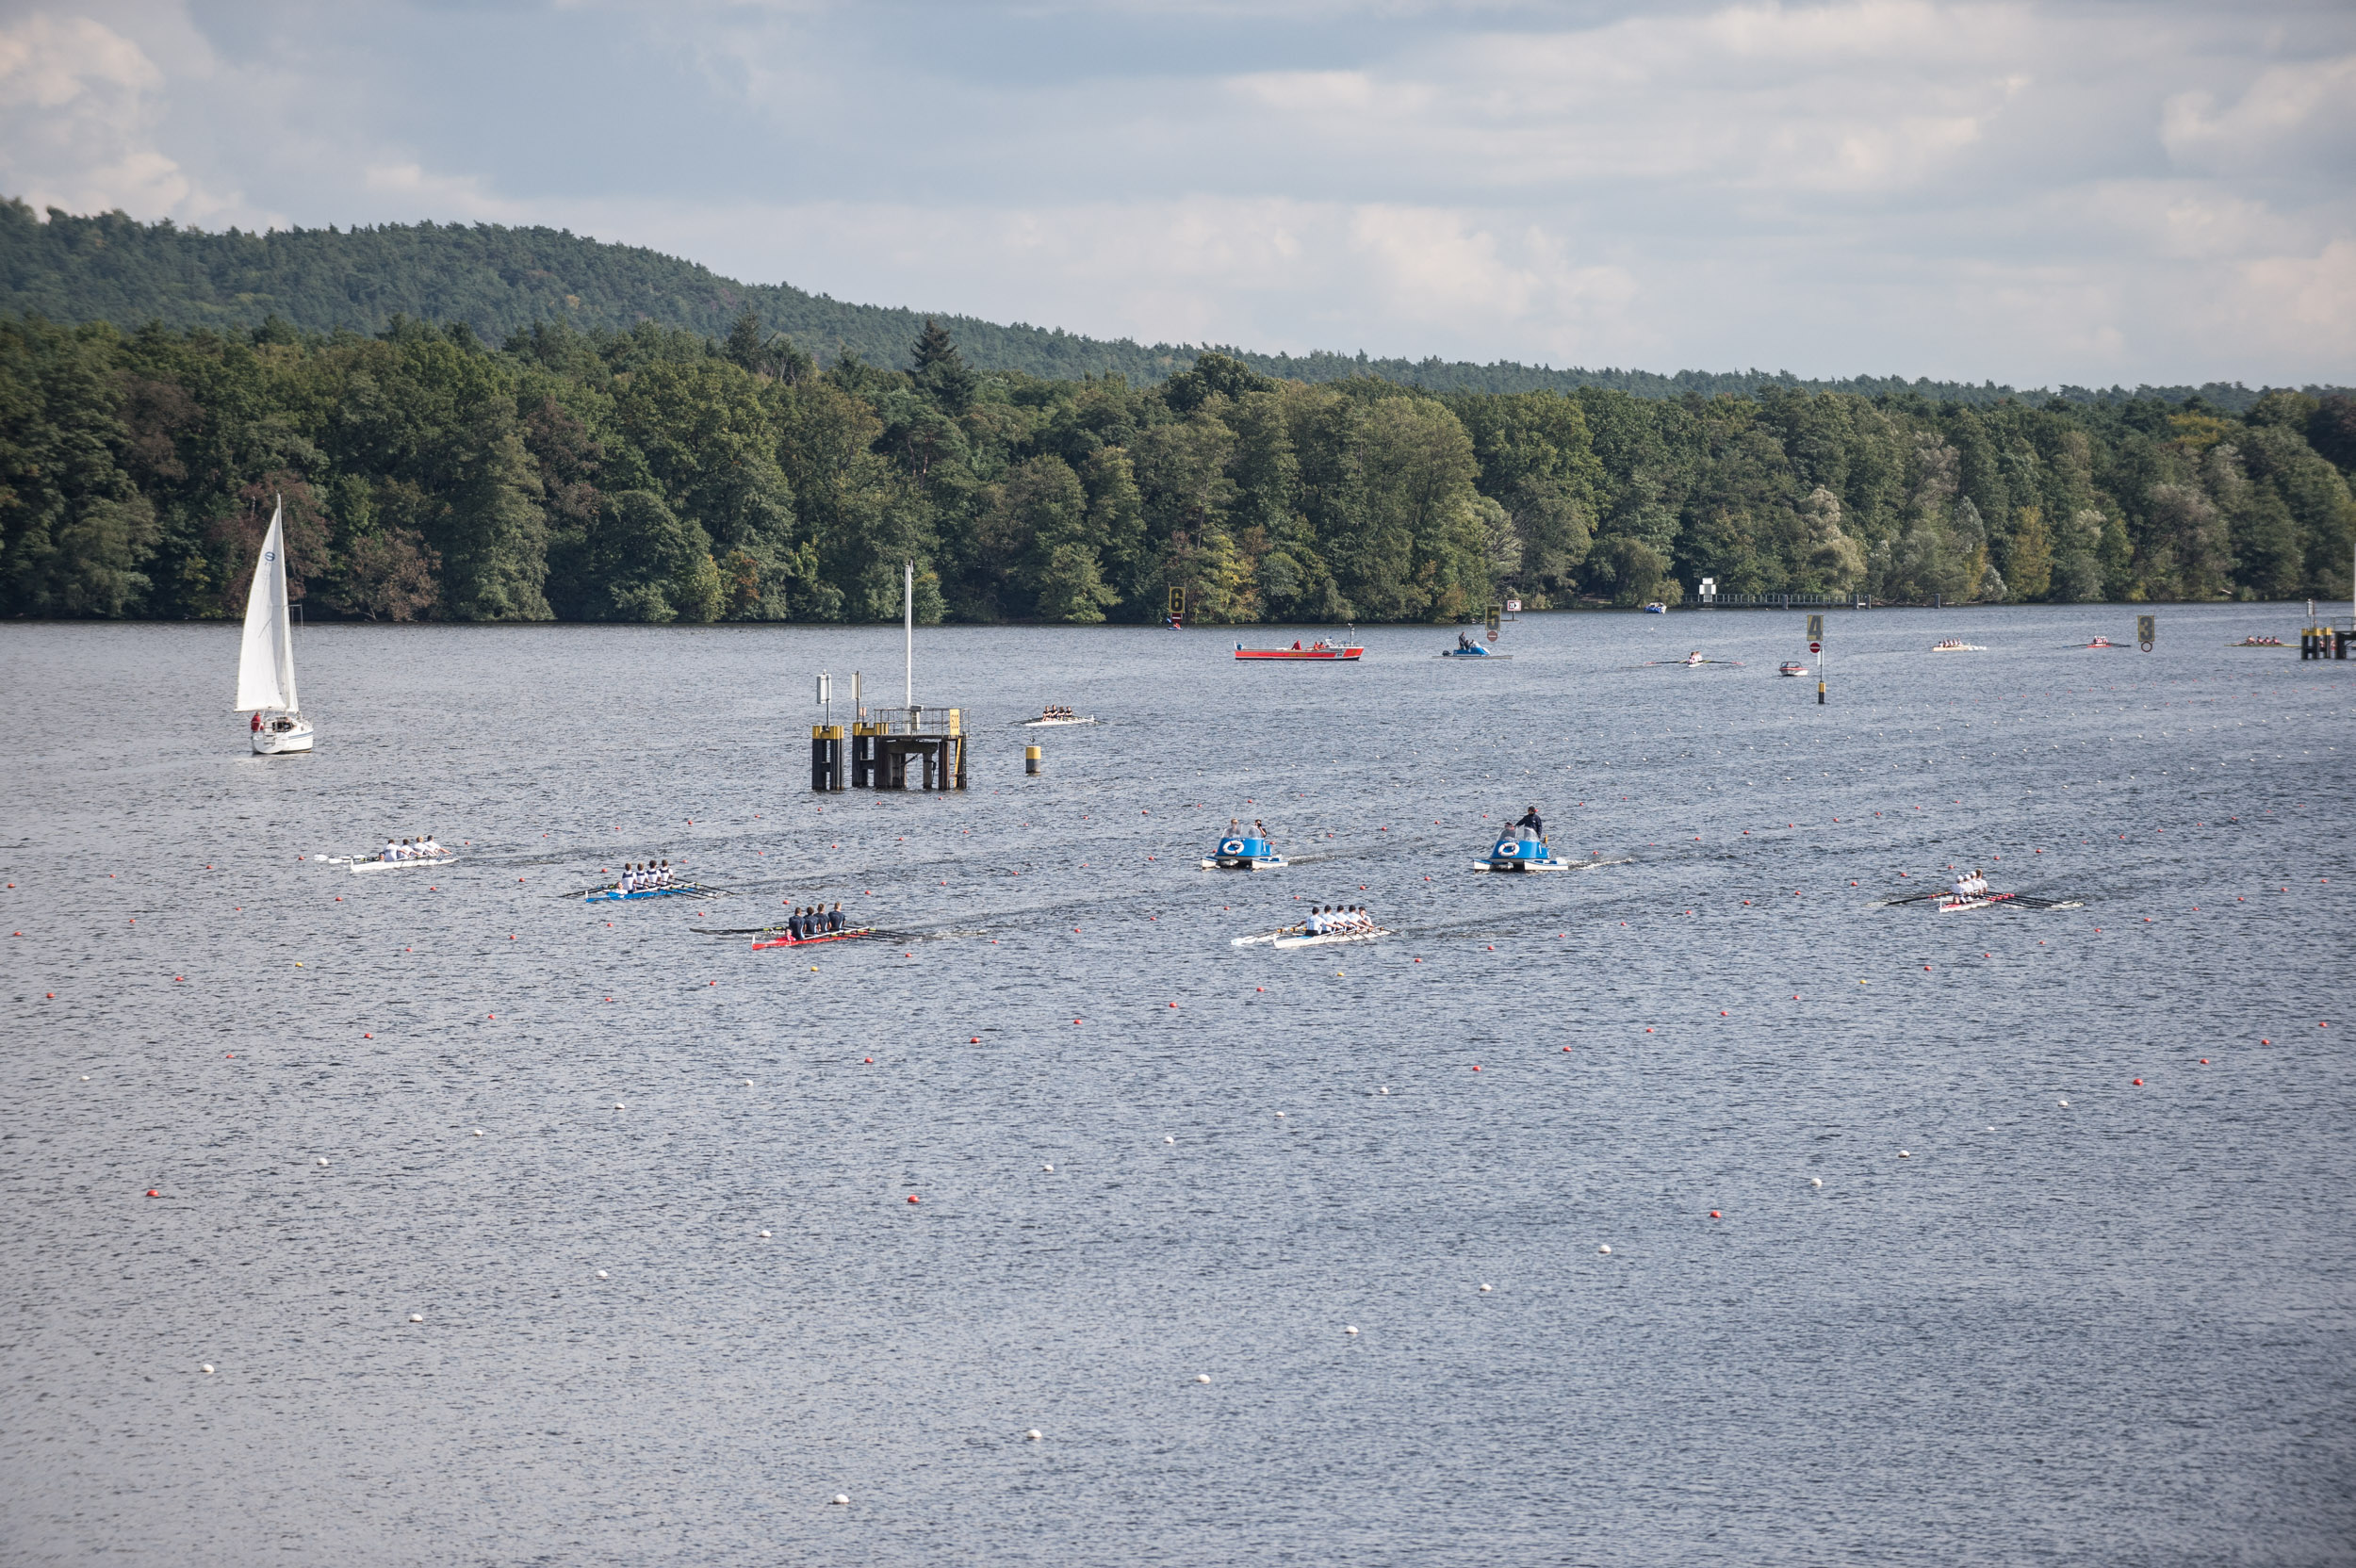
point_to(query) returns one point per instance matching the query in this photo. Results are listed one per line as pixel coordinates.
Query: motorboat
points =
(1655, 608)
(1793, 669)
(1245, 852)
(1320, 651)
(1512, 852)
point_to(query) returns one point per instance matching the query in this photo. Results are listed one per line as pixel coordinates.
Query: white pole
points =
(908, 620)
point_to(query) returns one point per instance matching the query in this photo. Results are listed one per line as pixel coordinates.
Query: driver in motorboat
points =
(1530, 830)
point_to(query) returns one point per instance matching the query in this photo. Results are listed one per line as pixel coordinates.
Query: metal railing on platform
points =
(919, 720)
(1777, 601)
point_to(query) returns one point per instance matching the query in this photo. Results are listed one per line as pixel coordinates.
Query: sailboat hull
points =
(283, 743)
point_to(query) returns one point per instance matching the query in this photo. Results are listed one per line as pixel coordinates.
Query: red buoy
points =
(911, 1198)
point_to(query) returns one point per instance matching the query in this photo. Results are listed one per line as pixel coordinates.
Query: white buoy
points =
(1280, 1116)
(205, 1367)
(1047, 1167)
(1386, 1089)
(1034, 1434)
(1350, 1330)
(1169, 1140)
(1605, 1250)
(2065, 1104)
(839, 1499)
(478, 1131)
(601, 1274)
(322, 1159)
(748, 1083)
(1486, 1287)
(417, 1318)
(1904, 1155)
(1203, 1376)
(619, 1106)
(765, 1235)
(1816, 1180)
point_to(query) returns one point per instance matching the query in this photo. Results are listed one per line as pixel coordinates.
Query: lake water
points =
(2003, 1329)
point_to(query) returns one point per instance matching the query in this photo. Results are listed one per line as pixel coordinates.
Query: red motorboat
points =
(1321, 649)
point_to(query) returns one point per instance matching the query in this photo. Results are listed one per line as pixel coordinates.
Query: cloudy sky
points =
(2121, 192)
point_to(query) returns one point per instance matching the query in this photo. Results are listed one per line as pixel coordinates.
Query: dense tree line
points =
(498, 280)
(656, 475)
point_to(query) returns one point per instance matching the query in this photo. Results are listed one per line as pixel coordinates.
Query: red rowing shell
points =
(1340, 653)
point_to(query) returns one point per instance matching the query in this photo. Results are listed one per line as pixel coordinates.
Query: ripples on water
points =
(2117, 1332)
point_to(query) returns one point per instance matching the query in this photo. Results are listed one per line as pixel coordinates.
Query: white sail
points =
(266, 660)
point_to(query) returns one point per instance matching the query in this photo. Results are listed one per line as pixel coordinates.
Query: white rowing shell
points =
(359, 866)
(1333, 938)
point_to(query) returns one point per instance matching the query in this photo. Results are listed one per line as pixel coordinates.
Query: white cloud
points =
(79, 115)
(2302, 114)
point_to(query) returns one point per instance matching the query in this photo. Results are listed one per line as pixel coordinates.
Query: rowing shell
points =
(812, 941)
(616, 895)
(1984, 901)
(1332, 939)
(359, 866)
(1267, 937)
(1043, 723)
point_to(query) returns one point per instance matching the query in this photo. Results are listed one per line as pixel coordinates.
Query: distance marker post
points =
(1816, 647)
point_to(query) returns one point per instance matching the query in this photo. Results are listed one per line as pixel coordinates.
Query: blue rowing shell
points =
(615, 895)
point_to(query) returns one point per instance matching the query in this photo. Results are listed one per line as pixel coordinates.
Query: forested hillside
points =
(655, 475)
(111, 268)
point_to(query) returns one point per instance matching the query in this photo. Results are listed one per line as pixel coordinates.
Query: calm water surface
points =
(2003, 1329)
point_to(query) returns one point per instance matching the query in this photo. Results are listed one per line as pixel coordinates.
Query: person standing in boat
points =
(1530, 829)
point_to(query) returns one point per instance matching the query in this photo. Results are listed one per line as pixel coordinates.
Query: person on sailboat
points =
(258, 724)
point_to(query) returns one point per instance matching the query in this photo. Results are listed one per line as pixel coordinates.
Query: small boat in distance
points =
(1320, 650)
(1655, 608)
(1053, 715)
(2101, 643)
(1791, 669)
(1956, 644)
(2258, 642)
(266, 678)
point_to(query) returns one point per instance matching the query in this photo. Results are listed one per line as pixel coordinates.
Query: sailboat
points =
(266, 678)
